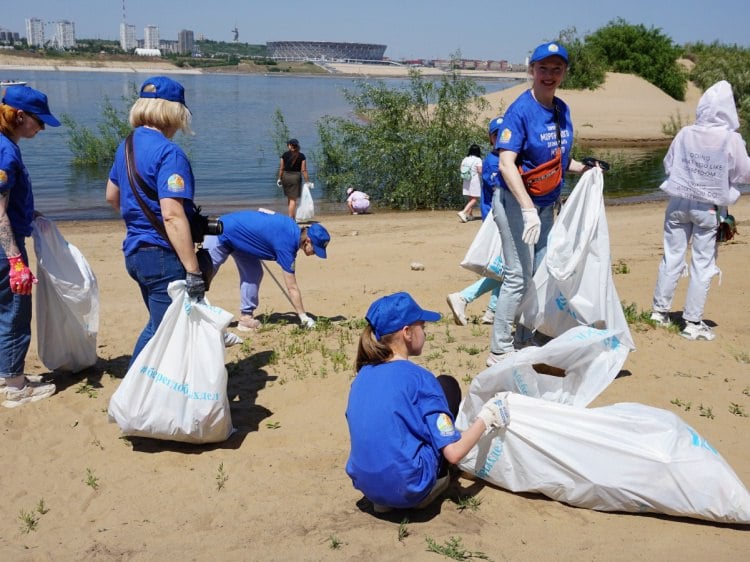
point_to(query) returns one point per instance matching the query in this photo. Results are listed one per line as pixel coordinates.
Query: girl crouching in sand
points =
(401, 416)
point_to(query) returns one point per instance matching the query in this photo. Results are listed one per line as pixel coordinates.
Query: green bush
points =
(716, 62)
(405, 147)
(648, 53)
(587, 68)
(92, 149)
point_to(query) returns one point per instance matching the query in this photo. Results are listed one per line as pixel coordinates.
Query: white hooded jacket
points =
(706, 159)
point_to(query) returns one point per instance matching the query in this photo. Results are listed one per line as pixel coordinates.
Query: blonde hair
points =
(159, 113)
(370, 351)
(8, 116)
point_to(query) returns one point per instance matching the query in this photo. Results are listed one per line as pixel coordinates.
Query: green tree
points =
(406, 144)
(587, 69)
(716, 62)
(648, 53)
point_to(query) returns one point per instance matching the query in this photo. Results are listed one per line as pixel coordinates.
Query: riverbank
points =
(280, 479)
(625, 111)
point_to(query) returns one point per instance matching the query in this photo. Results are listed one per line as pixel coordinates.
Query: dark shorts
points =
(291, 182)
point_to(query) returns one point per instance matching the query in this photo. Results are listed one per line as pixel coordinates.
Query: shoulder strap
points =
(557, 125)
(134, 177)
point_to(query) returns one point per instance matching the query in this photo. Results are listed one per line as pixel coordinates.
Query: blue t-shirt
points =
(14, 180)
(267, 236)
(165, 168)
(399, 422)
(490, 180)
(529, 130)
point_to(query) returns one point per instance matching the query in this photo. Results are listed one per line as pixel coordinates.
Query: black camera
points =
(202, 225)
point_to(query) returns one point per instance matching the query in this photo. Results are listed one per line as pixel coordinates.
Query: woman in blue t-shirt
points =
(152, 260)
(24, 112)
(400, 416)
(536, 129)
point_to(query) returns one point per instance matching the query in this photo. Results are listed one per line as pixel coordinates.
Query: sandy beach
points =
(287, 496)
(277, 490)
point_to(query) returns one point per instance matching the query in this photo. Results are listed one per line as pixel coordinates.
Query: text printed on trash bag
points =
(181, 387)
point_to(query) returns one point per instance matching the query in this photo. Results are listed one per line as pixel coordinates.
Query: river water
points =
(232, 153)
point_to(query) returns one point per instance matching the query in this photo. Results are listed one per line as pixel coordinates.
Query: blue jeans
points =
(15, 320)
(154, 269)
(480, 287)
(520, 263)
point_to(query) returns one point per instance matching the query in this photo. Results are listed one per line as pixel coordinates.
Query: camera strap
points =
(133, 177)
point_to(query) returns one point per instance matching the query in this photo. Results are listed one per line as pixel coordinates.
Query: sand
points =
(287, 496)
(277, 489)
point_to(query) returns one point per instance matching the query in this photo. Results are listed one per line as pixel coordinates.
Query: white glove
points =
(495, 413)
(532, 226)
(306, 321)
(278, 182)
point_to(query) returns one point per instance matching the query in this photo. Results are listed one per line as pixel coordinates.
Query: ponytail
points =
(371, 351)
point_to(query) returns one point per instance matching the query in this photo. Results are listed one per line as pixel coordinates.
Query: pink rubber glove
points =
(21, 278)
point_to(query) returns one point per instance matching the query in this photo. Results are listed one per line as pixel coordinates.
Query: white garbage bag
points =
(306, 206)
(485, 254)
(67, 301)
(625, 457)
(176, 389)
(573, 285)
(573, 368)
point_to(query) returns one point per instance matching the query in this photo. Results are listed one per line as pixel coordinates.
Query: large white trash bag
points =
(306, 206)
(589, 359)
(625, 457)
(67, 301)
(573, 285)
(176, 389)
(485, 254)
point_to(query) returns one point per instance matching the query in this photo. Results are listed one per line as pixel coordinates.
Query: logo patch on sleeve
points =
(175, 183)
(505, 135)
(445, 425)
(3, 178)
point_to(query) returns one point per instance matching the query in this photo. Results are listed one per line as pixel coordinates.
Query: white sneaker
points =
(697, 331)
(231, 339)
(494, 358)
(31, 392)
(660, 318)
(489, 317)
(458, 307)
(462, 216)
(247, 323)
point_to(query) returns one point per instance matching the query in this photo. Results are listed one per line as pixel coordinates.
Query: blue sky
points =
(492, 29)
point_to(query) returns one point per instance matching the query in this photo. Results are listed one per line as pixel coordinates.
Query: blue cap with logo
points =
(495, 125)
(552, 49)
(391, 313)
(164, 89)
(30, 100)
(319, 237)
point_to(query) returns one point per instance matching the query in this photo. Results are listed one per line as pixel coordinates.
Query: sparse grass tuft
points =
(403, 530)
(41, 508)
(29, 521)
(454, 549)
(334, 543)
(737, 410)
(620, 267)
(85, 388)
(680, 404)
(221, 477)
(91, 480)
(706, 412)
(471, 503)
(273, 425)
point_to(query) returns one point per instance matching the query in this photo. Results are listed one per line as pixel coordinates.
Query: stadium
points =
(325, 51)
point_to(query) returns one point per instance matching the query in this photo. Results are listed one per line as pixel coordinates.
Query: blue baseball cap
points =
(391, 313)
(551, 49)
(30, 100)
(495, 125)
(164, 89)
(320, 238)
